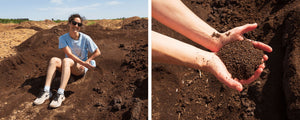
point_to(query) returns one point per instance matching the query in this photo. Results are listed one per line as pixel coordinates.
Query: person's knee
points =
(68, 62)
(55, 60)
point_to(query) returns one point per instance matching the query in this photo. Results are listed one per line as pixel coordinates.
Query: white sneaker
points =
(42, 97)
(56, 102)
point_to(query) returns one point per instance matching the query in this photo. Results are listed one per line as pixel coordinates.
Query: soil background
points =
(116, 89)
(189, 94)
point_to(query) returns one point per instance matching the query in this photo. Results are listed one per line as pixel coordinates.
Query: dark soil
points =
(137, 24)
(183, 93)
(116, 89)
(241, 58)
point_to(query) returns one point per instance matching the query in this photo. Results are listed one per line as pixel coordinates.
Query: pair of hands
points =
(218, 68)
(86, 64)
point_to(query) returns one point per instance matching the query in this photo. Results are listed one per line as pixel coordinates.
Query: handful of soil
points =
(241, 58)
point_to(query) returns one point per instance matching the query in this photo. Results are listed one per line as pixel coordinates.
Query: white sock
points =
(47, 88)
(60, 91)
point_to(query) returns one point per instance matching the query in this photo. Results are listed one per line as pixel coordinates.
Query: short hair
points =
(73, 16)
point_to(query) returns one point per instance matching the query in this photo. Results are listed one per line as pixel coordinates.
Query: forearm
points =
(174, 14)
(68, 52)
(75, 58)
(95, 54)
(171, 51)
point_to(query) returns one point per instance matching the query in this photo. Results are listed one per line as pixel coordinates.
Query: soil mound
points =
(137, 24)
(37, 25)
(7, 26)
(110, 24)
(120, 23)
(119, 78)
(11, 38)
(131, 19)
(291, 64)
(183, 93)
(241, 58)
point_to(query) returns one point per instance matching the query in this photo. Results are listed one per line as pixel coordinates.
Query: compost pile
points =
(116, 89)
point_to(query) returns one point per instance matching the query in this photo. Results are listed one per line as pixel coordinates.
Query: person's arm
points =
(95, 54)
(174, 14)
(93, 48)
(69, 53)
(172, 51)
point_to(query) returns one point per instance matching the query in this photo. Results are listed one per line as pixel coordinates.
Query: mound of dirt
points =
(116, 89)
(7, 26)
(11, 38)
(291, 64)
(184, 93)
(241, 58)
(108, 24)
(37, 25)
(137, 24)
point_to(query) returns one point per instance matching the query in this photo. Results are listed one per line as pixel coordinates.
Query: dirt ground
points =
(13, 34)
(189, 94)
(116, 89)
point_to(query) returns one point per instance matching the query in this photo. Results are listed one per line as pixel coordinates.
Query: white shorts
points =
(93, 63)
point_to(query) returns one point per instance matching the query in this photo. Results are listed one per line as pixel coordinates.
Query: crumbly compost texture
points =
(241, 58)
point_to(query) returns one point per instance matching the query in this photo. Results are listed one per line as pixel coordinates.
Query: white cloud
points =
(61, 9)
(56, 1)
(113, 3)
(69, 10)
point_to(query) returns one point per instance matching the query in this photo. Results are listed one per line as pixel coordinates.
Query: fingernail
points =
(239, 88)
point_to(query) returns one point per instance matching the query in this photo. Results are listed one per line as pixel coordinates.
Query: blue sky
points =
(62, 9)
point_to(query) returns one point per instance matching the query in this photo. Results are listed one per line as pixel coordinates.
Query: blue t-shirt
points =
(79, 47)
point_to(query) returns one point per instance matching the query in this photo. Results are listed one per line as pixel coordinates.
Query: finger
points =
(88, 66)
(265, 57)
(248, 27)
(253, 77)
(262, 46)
(91, 67)
(262, 66)
(241, 37)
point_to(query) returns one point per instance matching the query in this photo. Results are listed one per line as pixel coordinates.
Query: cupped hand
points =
(218, 68)
(237, 34)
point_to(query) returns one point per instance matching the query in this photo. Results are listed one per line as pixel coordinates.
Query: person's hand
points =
(237, 34)
(88, 65)
(217, 67)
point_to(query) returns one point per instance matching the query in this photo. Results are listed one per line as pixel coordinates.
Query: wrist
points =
(216, 39)
(204, 60)
(88, 60)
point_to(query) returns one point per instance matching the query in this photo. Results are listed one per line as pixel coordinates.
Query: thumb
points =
(248, 27)
(234, 84)
(229, 81)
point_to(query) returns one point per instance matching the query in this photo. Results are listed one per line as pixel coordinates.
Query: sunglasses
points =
(76, 23)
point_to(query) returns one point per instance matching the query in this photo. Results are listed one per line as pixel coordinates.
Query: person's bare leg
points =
(46, 94)
(53, 65)
(66, 72)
